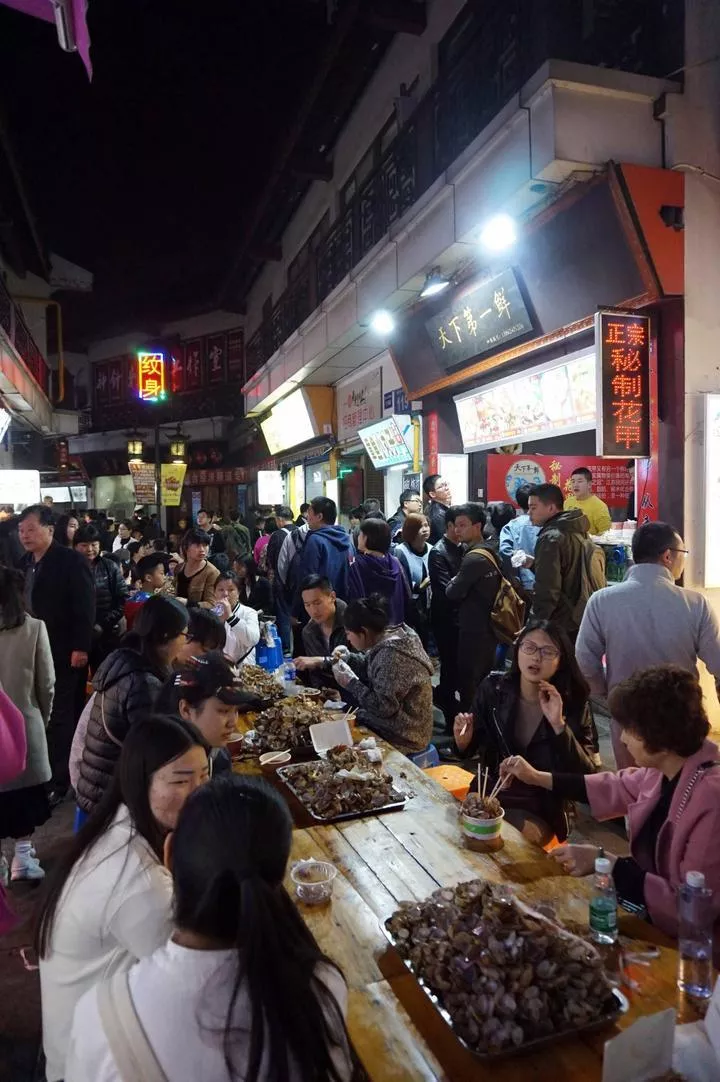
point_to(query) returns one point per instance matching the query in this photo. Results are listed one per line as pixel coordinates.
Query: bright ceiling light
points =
(382, 322)
(498, 233)
(434, 283)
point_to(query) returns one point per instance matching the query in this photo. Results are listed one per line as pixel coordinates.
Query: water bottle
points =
(695, 937)
(603, 906)
(290, 672)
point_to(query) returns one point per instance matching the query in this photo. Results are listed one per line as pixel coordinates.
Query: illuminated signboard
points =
(151, 377)
(385, 444)
(481, 319)
(557, 397)
(622, 350)
(289, 423)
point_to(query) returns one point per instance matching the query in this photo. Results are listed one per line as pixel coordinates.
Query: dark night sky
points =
(145, 174)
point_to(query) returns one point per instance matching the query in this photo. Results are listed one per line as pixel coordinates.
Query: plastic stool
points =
(453, 778)
(428, 757)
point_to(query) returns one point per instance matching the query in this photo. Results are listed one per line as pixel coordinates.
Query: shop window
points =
(369, 161)
(303, 257)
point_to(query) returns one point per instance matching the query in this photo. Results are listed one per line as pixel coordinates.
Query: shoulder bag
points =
(133, 1054)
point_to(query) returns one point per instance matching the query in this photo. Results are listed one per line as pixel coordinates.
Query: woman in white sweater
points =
(241, 990)
(108, 902)
(242, 628)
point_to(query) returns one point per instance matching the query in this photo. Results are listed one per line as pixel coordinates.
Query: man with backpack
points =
(474, 590)
(568, 567)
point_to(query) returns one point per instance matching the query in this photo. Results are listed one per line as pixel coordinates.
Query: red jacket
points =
(687, 840)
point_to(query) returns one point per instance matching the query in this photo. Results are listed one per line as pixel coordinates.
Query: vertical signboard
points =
(235, 355)
(151, 377)
(622, 347)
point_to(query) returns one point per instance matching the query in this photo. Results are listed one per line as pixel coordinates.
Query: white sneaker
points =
(4, 872)
(25, 866)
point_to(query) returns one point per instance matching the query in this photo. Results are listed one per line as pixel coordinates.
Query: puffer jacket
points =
(111, 593)
(393, 689)
(127, 685)
(559, 553)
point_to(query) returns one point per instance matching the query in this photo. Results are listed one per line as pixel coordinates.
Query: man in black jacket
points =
(474, 590)
(111, 593)
(439, 497)
(443, 565)
(59, 589)
(410, 504)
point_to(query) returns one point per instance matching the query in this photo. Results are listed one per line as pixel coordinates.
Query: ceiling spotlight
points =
(383, 322)
(434, 283)
(498, 233)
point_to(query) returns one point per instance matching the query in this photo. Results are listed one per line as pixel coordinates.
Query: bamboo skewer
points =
(500, 784)
(484, 784)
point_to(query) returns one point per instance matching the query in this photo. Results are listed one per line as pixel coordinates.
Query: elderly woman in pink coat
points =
(671, 799)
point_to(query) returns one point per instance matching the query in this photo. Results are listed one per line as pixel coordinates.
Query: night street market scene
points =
(359, 541)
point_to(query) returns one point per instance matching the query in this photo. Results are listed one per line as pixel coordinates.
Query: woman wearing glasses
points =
(539, 710)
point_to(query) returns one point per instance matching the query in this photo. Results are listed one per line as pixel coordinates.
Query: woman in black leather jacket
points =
(539, 710)
(126, 686)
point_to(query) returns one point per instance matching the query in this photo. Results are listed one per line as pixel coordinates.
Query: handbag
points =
(133, 1054)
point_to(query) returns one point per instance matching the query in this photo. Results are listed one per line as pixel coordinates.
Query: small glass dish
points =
(313, 880)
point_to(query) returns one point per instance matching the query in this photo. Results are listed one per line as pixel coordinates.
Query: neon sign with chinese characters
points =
(622, 344)
(151, 377)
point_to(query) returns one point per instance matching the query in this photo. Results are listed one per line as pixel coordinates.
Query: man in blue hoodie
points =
(327, 551)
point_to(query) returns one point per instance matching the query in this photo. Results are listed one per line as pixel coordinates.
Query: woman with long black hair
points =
(539, 710)
(108, 900)
(241, 990)
(126, 685)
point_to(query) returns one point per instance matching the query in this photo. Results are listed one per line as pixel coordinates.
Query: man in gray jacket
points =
(645, 621)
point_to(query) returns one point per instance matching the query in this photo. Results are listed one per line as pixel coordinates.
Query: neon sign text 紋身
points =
(151, 377)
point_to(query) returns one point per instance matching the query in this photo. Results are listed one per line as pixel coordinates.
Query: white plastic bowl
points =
(313, 880)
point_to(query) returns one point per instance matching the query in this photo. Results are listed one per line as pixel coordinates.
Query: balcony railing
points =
(517, 37)
(13, 323)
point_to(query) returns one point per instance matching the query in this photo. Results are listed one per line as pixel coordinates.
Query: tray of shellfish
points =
(505, 978)
(346, 784)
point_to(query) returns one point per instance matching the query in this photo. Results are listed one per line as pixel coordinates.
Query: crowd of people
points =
(122, 682)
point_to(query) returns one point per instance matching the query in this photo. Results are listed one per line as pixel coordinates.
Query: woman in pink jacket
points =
(13, 749)
(671, 799)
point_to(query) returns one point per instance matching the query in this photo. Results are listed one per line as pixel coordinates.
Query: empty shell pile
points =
(505, 974)
(329, 791)
(481, 807)
(343, 758)
(287, 724)
(254, 678)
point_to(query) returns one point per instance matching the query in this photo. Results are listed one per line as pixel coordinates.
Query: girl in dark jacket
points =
(539, 710)
(127, 685)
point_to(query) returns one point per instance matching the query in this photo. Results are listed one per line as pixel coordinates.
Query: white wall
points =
(35, 315)
(408, 57)
(209, 323)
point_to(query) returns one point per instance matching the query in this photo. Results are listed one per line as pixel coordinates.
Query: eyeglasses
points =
(685, 552)
(547, 653)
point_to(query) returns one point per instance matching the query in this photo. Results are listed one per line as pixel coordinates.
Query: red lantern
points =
(200, 458)
(215, 456)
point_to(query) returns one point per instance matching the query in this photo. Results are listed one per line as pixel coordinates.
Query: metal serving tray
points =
(285, 774)
(528, 1046)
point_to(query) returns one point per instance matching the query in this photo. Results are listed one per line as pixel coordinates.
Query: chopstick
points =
(484, 784)
(499, 785)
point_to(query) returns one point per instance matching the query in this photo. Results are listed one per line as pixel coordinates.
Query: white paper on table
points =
(693, 1057)
(712, 1020)
(642, 1052)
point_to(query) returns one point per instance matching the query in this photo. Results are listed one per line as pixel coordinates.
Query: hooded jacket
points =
(328, 551)
(379, 575)
(393, 689)
(127, 685)
(559, 553)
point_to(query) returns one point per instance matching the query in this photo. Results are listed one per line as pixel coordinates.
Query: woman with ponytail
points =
(108, 900)
(241, 992)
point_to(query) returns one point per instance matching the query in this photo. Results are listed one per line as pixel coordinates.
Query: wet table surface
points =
(385, 859)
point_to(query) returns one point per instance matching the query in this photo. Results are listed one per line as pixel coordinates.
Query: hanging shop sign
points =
(359, 403)
(289, 423)
(215, 358)
(143, 479)
(558, 397)
(239, 475)
(622, 348)
(385, 442)
(612, 481)
(482, 318)
(172, 476)
(151, 377)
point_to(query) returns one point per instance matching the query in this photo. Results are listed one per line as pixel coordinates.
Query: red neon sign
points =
(151, 377)
(623, 357)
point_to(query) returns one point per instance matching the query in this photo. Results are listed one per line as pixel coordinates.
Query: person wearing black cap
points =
(207, 691)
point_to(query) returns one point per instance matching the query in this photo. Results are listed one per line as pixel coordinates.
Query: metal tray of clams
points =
(286, 774)
(519, 1047)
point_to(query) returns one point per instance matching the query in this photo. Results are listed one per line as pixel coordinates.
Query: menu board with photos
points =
(385, 444)
(559, 397)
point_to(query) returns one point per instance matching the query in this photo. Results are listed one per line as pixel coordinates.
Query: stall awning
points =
(70, 17)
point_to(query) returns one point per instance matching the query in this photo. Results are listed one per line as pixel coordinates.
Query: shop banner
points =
(172, 476)
(612, 481)
(432, 442)
(143, 478)
(622, 346)
(215, 348)
(359, 404)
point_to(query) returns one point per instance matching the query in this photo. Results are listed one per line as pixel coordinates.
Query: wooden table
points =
(383, 860)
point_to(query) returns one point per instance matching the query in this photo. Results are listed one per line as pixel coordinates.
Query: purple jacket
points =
(687, 840)
(379, 575)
